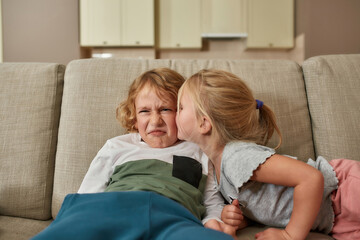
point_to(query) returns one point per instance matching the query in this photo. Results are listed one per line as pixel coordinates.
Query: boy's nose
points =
(156, 119)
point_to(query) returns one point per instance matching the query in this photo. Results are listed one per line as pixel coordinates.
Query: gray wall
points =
(40, 31)
(329, 26)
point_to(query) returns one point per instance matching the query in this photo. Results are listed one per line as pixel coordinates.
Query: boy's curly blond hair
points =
(164, 81)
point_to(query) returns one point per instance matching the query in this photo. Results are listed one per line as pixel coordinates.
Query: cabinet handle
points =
(104, 42)
(178, 44)
(137, 42)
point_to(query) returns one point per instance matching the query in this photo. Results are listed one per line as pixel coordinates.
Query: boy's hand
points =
(213, 224)
(273, 233)
(223, 227)
(232, 215)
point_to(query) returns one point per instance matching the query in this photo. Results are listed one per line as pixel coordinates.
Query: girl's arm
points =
(308, 185)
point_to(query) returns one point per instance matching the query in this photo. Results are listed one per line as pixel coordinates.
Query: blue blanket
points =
(125, 215)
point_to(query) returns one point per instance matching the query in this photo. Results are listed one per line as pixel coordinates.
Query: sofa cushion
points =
(333, 90)
(16, 228)
(94, 87)
(30, 97)
(250, 231)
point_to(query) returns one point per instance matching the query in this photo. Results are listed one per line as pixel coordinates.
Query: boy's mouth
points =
(157, 133)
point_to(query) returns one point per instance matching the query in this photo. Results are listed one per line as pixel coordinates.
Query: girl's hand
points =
(232, 215)
(273, 233)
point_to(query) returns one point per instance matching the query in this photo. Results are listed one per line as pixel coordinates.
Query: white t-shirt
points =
(130, 147)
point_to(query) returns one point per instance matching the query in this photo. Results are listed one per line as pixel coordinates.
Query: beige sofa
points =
(54, 119)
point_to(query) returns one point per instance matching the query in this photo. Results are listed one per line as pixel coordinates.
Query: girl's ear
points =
(205, 125)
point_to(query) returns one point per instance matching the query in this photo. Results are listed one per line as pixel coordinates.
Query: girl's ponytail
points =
(268, 124)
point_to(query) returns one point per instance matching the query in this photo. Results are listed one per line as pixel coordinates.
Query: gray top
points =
(268, 204)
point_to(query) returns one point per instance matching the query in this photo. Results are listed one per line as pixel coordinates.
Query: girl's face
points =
(155, 118)
(186, 118)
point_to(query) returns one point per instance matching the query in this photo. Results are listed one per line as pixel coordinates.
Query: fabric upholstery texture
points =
(15, 228)
(93, 88)
(249, 232)
(333, 90)
(30, 97)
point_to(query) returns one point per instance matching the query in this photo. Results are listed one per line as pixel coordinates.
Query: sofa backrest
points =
(30, 99)
(333, 89)
(94, 87)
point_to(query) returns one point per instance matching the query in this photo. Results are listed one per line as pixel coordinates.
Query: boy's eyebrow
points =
(170, 106)
(142, 108)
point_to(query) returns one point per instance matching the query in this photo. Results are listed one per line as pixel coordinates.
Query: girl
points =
(217, 111)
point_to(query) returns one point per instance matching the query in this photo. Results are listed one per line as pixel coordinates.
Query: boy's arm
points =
(213, 200)
(308, 185)
(214, 203)
(99, 172)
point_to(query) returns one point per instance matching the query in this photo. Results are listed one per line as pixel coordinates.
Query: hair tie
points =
(259, 104)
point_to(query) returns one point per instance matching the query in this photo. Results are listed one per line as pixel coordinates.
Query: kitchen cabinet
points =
(116, 23)
(270, 24)
(179, 24)
(224, 19)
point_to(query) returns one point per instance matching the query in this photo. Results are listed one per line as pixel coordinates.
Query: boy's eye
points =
(143, 111)
(166, 110)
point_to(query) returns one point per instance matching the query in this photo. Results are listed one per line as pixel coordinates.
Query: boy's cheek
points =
(177, 119)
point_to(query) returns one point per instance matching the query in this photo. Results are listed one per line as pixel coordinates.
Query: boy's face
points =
(155, 118)
(186, 118)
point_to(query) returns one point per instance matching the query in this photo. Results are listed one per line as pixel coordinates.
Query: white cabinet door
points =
(271, 24)
(179, 24)
(137, 23)
(100, 23)
(224, 17)
(116, 22)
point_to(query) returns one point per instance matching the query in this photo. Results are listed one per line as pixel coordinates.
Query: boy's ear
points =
(205, 125)
(136, 125)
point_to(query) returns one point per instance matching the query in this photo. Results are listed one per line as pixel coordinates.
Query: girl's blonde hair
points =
(231, 108)
(164, 81)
